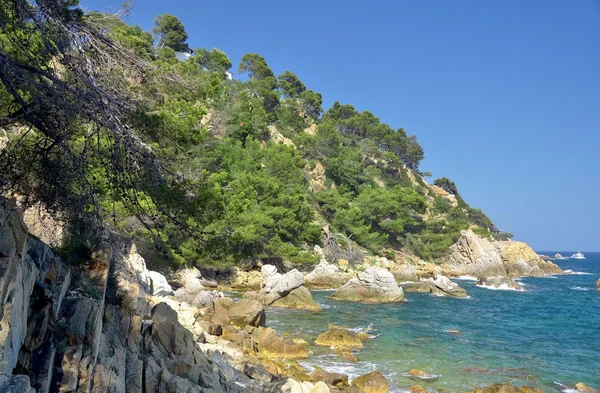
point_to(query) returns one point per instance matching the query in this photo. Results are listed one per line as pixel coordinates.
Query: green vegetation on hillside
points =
(109, 129)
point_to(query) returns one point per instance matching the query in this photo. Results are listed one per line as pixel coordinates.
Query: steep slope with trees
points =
(112, 133)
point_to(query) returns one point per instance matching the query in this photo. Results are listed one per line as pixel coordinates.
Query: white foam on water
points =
(580, 288)
(501, 287)
(569, 271)
(466, 278)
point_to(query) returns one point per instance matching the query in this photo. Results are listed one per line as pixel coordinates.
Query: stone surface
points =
(499, 282)
(159, 285)
(339, 338)
(15, 384)
(298, 299)
(439, 286)
(506, 388)
(373, 382)
(334, 379)
(404, 272)
(476, 256)
(325, 276)
(598, 284)
(374, 285)
(270, 345)
(247, 312)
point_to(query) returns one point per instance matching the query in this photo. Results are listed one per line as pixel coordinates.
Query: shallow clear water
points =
(547, 334)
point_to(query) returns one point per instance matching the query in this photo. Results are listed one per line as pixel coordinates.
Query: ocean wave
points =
(577, 273)
(580, 288)
(466, 278)
(501, 287)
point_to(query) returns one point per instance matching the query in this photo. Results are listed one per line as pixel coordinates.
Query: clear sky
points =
(504, 95)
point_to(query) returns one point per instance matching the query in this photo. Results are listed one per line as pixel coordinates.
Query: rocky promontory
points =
(476, 256)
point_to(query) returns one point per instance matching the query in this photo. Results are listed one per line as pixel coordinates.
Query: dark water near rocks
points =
(547, 334)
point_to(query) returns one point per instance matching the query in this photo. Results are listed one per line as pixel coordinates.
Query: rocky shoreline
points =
(111, 325)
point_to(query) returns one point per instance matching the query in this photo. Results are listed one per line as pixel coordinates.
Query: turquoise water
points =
(548, 334)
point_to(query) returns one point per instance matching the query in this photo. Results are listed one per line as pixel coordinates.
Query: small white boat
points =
(578, 255)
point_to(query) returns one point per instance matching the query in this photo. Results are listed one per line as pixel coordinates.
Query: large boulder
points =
(374, 285)
(270, 345)
(247, 312)
(373, 382)
(298, 299)
(325, 276)
(283, 290)
(339, 338)
(404, 272)
(480, 257)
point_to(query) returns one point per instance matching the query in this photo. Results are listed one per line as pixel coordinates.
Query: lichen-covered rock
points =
(298, 299)
(270, 345)
(247, 312)
(374, 285)
(373, 382)
(339, 338)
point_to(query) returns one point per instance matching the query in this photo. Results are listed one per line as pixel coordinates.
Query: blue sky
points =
(503, 95)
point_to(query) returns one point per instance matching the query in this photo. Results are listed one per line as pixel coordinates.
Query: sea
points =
(547, 335)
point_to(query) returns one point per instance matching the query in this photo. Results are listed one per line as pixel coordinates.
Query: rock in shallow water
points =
(374, 285)
(373, 382)
(500, 282)
(339, 338)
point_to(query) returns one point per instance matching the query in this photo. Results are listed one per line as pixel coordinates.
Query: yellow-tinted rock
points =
(347, 355)
(339, 338)
(582, 387)
(506, 388)
(298, 299)
(417, 389)
(373, 382)
(272, 346)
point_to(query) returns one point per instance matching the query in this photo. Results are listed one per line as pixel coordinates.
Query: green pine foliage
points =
(234, 194)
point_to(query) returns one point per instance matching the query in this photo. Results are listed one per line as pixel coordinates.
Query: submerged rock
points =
(417, 374)
(582, 387)
(506, 388)
(374, 285)
(339, 338)
(373, 382)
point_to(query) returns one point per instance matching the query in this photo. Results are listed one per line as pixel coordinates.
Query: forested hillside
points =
(105, 125)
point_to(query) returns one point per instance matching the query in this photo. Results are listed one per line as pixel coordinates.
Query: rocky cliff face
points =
(476, 256)
(94, 328)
